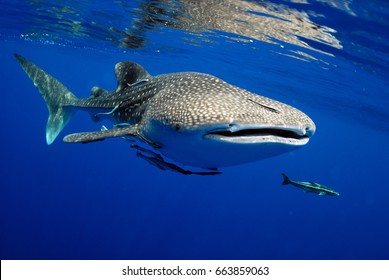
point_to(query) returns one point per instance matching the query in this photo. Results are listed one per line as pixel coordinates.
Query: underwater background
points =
(327, 58)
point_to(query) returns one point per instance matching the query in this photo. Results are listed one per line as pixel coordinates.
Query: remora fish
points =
(191, 118)
(310, 186)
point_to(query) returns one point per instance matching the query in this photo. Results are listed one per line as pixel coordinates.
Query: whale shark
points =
(188, 119)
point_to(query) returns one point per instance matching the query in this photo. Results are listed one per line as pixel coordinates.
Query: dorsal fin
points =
(129, 73)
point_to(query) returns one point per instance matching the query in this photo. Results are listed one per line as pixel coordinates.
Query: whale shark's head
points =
(203, 121)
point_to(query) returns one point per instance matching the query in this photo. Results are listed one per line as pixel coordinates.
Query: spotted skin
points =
(193, 118)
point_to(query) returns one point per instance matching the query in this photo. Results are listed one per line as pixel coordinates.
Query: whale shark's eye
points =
(177, 127)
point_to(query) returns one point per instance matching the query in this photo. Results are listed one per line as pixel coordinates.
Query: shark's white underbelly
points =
(193, 149)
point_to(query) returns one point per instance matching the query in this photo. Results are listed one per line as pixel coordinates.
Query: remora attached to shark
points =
(192, 118)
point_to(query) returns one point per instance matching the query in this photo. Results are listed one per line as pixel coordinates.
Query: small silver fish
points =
(310, 187)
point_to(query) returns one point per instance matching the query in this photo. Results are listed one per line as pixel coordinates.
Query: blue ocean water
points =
(99, 201)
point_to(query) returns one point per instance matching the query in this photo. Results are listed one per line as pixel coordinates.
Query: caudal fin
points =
(286, 179)
(56, 95)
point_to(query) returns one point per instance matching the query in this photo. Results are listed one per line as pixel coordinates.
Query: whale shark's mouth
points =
(261, 135)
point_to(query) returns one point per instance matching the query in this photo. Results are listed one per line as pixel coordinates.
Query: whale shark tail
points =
(57, 97)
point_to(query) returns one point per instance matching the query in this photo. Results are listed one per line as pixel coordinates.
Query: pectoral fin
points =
(86, 137)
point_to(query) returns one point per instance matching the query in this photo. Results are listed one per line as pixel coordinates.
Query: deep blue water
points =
(99, 201)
